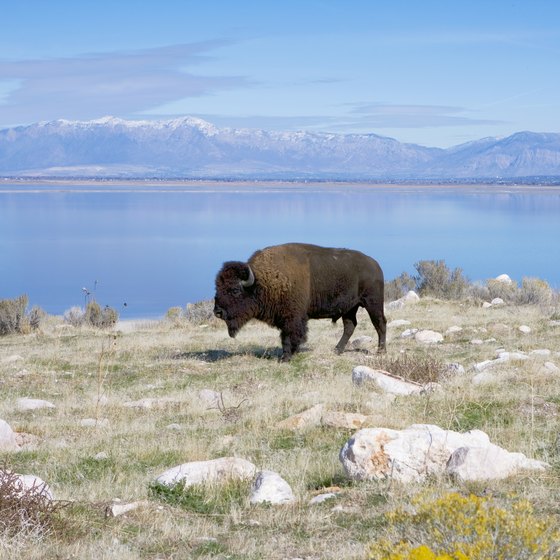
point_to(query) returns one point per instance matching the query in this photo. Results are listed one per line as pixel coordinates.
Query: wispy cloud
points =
(119, 83)
(358, 117)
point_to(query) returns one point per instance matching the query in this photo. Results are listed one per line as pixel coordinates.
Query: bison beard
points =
(285, 285)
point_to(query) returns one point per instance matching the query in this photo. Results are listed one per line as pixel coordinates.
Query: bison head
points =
(235, 302)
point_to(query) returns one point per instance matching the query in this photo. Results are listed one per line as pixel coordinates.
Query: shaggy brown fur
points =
(285, 285)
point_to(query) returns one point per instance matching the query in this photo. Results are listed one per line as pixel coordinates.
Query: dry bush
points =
(420, 369)
(28, 510)
(534, 291)
(435, 279)
(200, 312)
(12, 315)
(93, 316)
(398, 287)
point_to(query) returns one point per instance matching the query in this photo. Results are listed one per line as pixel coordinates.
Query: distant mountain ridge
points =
(193, 148)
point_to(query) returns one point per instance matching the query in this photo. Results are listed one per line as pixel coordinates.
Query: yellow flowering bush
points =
(456, 527)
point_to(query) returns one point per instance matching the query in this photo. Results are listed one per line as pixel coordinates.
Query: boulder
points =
(270, 487)
(504, 279)
(423, 450)
(385, 381)
(7, 437)
(212, 471)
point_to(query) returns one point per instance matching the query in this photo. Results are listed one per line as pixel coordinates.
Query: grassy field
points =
(91, 374)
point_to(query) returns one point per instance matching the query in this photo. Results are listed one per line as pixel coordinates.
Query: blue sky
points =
(436, 73)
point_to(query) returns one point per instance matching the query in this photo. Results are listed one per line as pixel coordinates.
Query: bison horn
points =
(250, 281)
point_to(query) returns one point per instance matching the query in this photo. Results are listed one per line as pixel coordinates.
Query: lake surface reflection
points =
(154, 247)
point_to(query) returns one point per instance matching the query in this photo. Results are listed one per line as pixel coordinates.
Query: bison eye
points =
(236, 291)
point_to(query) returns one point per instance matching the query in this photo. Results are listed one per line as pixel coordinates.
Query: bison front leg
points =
(292, 335)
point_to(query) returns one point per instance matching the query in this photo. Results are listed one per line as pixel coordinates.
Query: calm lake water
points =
(154, 247)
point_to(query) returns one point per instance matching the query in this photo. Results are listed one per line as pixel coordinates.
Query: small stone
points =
(94, 423)
(453, 330)
(454, 368)
(496, 302)
(408, 333)
(384, 381)
(320, 498)
(270, 487)
(117, 508)
(345, 420)
(551, 367)
(306, 419)
(477, 341)
(524, 329)
(101, 456)
(174, 426)
(486, 305)
(24, 404)
(428, 337)
(540, 352)
(7, 437)
(361, 343)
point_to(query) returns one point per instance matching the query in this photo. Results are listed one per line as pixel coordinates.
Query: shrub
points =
(398, 287)
(74, 316)
(456, 527)
(36, 317)
(535, 292)
(12, 315)
(420, 369)
(24, 510)
(200, 312)
(435, 279)
(504, 290)
(93, 316)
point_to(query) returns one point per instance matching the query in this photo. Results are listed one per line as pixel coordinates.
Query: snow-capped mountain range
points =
(192, 148)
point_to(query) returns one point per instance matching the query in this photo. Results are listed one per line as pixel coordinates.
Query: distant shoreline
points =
(273, 184)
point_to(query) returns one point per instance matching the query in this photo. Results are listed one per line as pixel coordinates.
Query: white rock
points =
(488, 462)
(307, 419)
(408, 333)
(215, 470)
(477, 341)
(320, 498)
(419, 451)
(484, 377)
(513, 356)
(345, 420)
(504, 278)
(486, 305)
(101, 456)
(524, 329)
(554, 323)
(117, 508)
(174, 426)
(25, 404)
(29, 484)
(453, 330)
(481, 366)
(94, 423)
(210, 397)
(7, 437)
(551, 367)
(497, 302)
(428, 337)
(409, 299)
(454, 368)
(12, 359)
(271, 488)
(384, 381)
(150, 402)
(398, 323)
(361, 343)
(540, 352)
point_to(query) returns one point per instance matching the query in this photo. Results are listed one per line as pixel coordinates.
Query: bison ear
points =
(247, 276)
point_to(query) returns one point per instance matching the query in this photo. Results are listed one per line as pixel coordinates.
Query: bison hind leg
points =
(349, 322)
(377, 316)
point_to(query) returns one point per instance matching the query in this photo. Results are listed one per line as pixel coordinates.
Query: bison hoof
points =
(285, 358)
(339, 350)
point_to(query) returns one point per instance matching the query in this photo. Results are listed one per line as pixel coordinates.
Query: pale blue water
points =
(154, 247)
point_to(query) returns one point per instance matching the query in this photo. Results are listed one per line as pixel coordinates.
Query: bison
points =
(285, 285)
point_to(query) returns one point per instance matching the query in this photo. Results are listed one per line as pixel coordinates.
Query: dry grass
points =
(91, 374)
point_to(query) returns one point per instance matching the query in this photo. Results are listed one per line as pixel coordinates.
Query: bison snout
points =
(219, 312)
